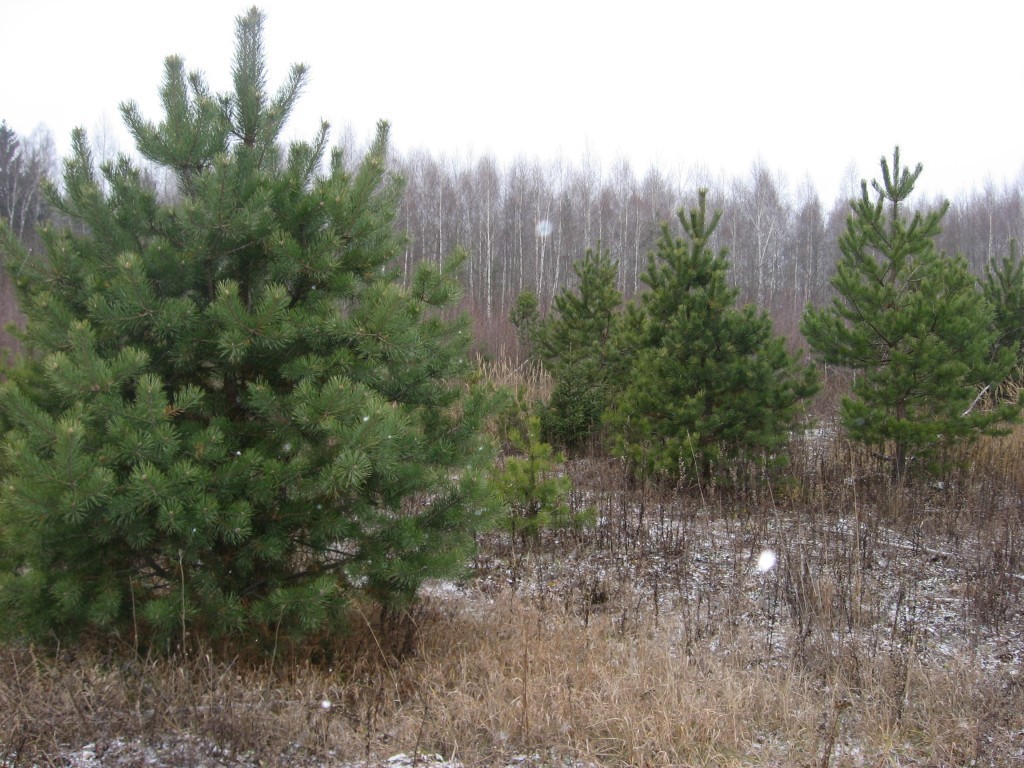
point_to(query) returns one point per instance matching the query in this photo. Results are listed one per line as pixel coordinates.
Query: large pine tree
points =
(234, 417)
(914, 326)
(709, 380)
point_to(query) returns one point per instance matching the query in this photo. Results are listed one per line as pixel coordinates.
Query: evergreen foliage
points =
(573, 413)
(234, 418)
(1004, 288)
(535, 494)
(524, 316)
(575, 343)
(708, 381)
(913, 325)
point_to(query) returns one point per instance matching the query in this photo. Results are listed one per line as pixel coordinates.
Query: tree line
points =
(524, 224)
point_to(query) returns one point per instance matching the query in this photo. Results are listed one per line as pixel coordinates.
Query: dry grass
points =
(888, 633)
(514, 680)
(528, 379)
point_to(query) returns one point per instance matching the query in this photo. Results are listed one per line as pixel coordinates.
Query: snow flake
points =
(766, 561)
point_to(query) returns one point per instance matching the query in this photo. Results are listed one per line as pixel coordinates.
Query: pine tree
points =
(1004, 289)
(525, 315)
(234, 419)
(580, 324)
(709, 381)
(535, 494)
(913, 325)
(575, 343)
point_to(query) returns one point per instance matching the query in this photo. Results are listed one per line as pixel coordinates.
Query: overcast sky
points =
(812, 89)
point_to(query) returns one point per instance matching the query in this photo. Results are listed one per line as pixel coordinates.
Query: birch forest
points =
(524, 223)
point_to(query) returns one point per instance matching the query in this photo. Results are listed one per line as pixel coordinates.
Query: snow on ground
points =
(188, 751)
(911, 593)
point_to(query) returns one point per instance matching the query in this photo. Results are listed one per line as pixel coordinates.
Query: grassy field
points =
(828, 619)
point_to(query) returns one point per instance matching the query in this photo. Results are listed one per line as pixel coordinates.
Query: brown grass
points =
(527, 380)
(488, 685)
(889, 633)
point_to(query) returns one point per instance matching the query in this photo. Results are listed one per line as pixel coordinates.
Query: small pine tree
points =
(913, 324)
(573, 413)
(708, 381)
(534, 492)
(575, 343)
(234, 418)
(524, 316)
(1004, 288)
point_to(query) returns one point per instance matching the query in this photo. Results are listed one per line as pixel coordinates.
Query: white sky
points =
(808, 87)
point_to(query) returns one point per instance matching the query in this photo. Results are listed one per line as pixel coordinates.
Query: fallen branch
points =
(971, 407)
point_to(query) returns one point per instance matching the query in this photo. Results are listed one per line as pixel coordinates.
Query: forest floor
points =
(827, 620)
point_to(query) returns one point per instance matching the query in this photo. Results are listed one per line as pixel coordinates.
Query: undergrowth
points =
(888, 631)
